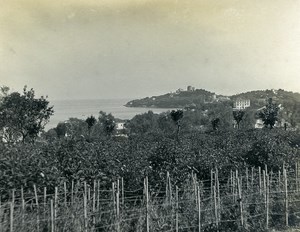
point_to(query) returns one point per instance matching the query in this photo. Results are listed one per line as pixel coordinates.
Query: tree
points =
(23, 116)
(176, 116)
(165, 122)
(269, 115)
(91, 121)
(238, 117)
(61, 129)
(107, 121)
(143, 123)
(76, 128)
(3, 92)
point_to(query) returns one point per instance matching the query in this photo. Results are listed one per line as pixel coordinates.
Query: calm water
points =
(65, 109)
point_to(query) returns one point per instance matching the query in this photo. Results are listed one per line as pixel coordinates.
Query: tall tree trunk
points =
(178, 131)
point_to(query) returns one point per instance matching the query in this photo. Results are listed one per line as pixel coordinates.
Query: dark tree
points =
(269, 115)
(238, 117)
(91, 121)
(61, 129)
(176, 116)
(23, 116)
(215, 123)
(107, 121)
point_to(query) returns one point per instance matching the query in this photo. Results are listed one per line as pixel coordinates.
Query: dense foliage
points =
(269, 114)
(69, 158)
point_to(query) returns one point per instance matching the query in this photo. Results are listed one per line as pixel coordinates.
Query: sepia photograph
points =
(149, 115)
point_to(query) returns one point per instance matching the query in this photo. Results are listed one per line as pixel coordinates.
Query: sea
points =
(65, 109)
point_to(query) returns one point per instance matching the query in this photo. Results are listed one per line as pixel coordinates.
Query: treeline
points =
(216, 117)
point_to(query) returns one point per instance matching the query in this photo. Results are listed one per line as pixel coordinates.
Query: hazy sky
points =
(135, 48)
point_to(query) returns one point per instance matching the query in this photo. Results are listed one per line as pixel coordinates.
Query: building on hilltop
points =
(190, 88)
(241, 104)
(178, 91)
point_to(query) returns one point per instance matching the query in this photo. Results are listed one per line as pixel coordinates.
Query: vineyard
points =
(255, 199)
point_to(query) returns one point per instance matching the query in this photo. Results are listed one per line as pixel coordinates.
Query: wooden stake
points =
(247, 179)
(233, 187)
(114, 197)
(122, 185)
(52, 215)
(167, 187)
(118, 186)
(170, 191)
(236, 183)
(211, 185)
(118, 211)
(279, 180)
(11, 228)
(37, 208)
(94, 204)
(199, 209)
(264, 183)
(98, 196)
(267, 202)
(195, 187)
(23, 205)
(216, 207)
(240, 200)
(177, 210)
(45, 206)
(147, 204)
(72, 192)
(218, 199)
(296, 175)
(85, 207)
(65, 193)
(231, 182)
(55, 206)
(45, 200)
(0, 215)
(259, 179)
(271, 178)
(286, 199)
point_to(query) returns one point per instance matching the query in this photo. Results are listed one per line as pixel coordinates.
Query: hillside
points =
(178, 99)
(258, 97)
(200, 97)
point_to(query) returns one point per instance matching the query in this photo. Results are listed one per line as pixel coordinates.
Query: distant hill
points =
(259, 97)
(205, 100)
(198, 97)
(178, 99)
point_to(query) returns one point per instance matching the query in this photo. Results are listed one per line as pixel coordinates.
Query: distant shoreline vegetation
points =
(197, 98)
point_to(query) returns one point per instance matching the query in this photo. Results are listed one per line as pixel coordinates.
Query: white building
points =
(241, 104)
(120, 126)
(190, 88)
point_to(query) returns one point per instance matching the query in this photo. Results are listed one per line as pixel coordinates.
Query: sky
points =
(103, 49)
